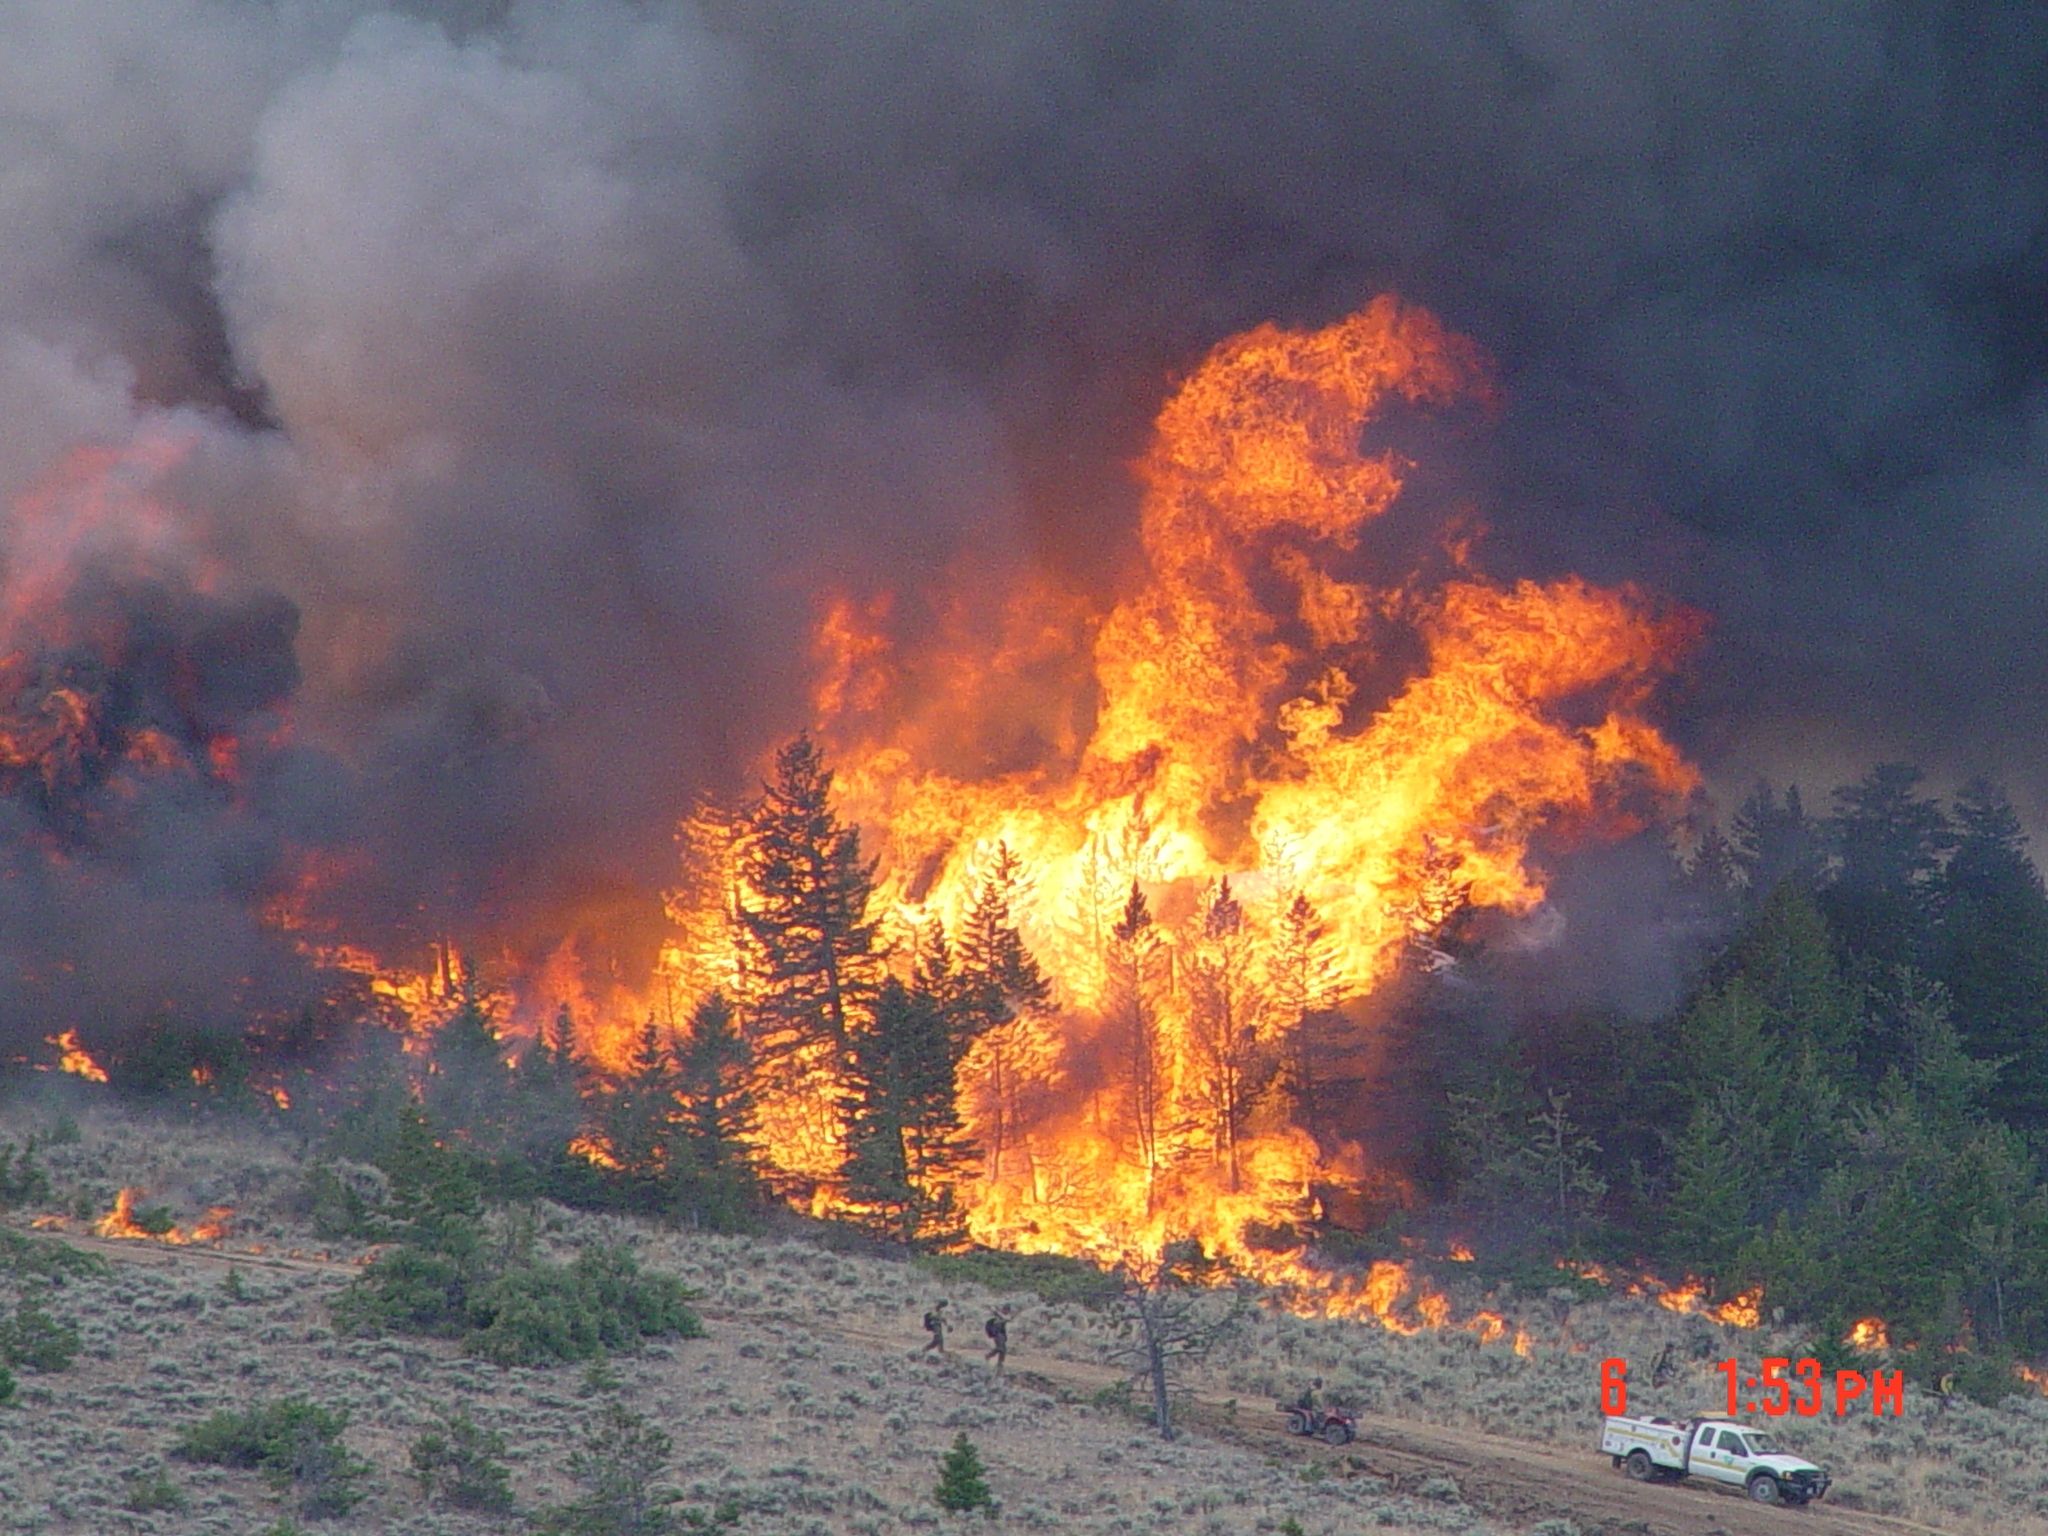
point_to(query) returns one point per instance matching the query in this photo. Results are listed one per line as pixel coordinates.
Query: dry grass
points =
(811, 1409)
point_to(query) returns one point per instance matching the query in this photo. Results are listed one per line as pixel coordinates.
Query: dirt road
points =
(1515, 1482)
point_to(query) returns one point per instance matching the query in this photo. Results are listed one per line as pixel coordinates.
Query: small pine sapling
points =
(458, 1464)
(963, 1484)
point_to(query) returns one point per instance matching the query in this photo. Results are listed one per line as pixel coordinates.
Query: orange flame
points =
(1689, 1299)
(74, 1058)
(593, 1151)
(120, 1222)
(1298, 811)
(1869, 1333)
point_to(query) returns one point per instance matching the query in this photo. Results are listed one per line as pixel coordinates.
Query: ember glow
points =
(1243, 836)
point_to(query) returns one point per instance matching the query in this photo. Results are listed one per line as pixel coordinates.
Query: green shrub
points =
(962, 1483)
(408, 1290)
(295, 1444)
(45, 1258)
(146, 1495)
(21, 1181)
(617, 1465)
(6, 1385)
(37, 1340)
(156, 1220)
(529, 1312)
(458, 1464)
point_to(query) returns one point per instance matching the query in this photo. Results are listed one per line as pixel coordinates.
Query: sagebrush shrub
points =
(147, 1495)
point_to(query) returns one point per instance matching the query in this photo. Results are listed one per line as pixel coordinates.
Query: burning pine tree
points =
(1072, 1004)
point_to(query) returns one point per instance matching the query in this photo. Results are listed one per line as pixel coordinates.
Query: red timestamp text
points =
(1780, 1386)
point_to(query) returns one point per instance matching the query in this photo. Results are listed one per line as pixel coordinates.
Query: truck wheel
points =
(1764, 1488)
(1639, 1466)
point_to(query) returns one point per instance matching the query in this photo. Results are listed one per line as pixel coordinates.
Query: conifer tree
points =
(1993, 950)
(803, 909)
(1134, 1013)
(636, 1119)
(1774, 842)
(1000, 993)
(963, 1483)
(1889, 842)
(713, 1176)
(1226, 1009)
(904, 1144)
(1710, 1212)
(1304, 983)
(549, 1090)
(1001, 977)
(468, 1090)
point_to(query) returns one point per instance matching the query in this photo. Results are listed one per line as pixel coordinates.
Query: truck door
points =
(1717, 1458)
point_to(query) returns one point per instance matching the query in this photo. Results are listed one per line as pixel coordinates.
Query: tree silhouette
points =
(809, 947)
(1133, 945)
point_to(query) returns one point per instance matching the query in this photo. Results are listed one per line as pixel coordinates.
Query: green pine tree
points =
(636, 1118)
(468, 1092)
(807, 944)
(1992, 952)
(1774, 843)
(716, 1183)
(905, 1150)
(1709, 1215)
(1889, 842)
(963, 1482)
(548, 1092)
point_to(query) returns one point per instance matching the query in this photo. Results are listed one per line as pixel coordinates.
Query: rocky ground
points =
(810, 1407)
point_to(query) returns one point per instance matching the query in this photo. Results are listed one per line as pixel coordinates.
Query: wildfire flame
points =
(1869, 1333)
(120, 1222)
(1688, 1299)
(73, 1058)
(1297, 767)
(1298, 810)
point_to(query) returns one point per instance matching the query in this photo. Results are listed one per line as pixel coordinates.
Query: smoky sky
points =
(548, 359)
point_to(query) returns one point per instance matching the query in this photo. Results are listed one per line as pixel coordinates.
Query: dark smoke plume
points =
(537, 364)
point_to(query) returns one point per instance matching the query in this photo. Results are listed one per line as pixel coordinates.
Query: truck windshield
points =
(1759, 1445)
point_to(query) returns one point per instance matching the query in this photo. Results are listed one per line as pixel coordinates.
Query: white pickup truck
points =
(1724, 1452)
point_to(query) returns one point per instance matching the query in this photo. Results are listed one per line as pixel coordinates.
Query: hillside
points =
(810, 1408)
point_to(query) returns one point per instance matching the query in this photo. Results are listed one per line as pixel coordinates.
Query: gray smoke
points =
(549, 358)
